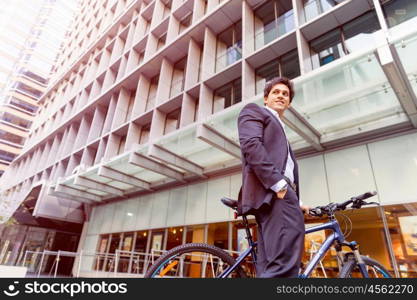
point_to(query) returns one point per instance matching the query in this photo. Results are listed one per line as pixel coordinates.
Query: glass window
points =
(185, 22)
(6, 156)
(402, 224)
(326, 48)
(218, 235)
(139, 257)
(161, 41)
(399, 11)
(195, 234)
(287, 65)
(152, 93)
(352, 36)
(125, 253)
(178, 77)
(227, 95)
(23, 105)
(357, 33)
(174, 237)
(313, 8)
(10, 137)
(229, 46)
(101, 252)
(290, 65)
(272, 20)
(172, 121)
(15, 120)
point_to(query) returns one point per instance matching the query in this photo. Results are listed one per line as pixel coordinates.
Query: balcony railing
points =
(232, 55)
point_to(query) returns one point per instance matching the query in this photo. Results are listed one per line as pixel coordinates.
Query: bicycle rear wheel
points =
(193, 261)
(351, 269)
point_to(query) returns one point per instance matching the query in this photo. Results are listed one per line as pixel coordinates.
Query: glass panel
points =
(266, 73)
(402, 223)
(347, 95)
(227, 95)
(195, 234)
(125, 254)
(229, 46)
(326, 48)
(185, 143)
(358, 33)
(290, 65)
(225, 122)
(313, 8)
(218, 235)
(406, 49)
(399, 11)
(270, 24)
(174, 237)
(101, 250)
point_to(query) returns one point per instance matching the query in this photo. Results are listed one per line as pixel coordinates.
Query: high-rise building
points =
(137, 139)
(31, 36)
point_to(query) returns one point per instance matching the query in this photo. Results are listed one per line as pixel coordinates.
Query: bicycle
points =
(204, 260)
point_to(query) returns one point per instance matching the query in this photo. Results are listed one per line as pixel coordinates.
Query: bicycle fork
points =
(354, 247)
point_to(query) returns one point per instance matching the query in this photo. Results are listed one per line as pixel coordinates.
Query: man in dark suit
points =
(270, 189)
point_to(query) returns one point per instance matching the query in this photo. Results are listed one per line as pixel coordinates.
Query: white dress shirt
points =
(289, 168)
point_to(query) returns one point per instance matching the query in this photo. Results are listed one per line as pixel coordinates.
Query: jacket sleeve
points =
(251, 128)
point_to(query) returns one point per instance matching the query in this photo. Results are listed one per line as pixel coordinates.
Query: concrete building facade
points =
(137, 137)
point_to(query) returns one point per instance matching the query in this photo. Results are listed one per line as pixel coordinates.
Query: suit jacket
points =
(264, 156)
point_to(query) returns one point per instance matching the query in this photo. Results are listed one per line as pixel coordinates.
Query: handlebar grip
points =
(365, 196)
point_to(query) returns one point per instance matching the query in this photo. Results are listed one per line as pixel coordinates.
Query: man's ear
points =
(265, 100)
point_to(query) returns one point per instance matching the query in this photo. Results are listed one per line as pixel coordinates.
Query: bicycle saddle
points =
(229, 202)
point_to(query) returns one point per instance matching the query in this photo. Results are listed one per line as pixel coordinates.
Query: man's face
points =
(278, 98)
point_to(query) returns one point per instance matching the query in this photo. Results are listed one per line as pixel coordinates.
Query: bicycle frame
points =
(336, 236)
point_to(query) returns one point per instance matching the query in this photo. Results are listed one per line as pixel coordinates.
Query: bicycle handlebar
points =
(329, 209)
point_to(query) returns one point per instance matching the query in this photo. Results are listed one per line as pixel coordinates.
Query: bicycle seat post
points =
(248, 233)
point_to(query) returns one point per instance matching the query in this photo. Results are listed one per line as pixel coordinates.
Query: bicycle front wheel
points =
(193, 261)
(351, 269)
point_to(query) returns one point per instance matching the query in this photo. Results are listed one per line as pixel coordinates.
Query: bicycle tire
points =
(167, 258)
(351, 263)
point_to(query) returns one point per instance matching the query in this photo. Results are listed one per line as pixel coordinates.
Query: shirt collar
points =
(276, 115)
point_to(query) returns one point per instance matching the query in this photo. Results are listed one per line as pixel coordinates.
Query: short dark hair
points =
(284, 80)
